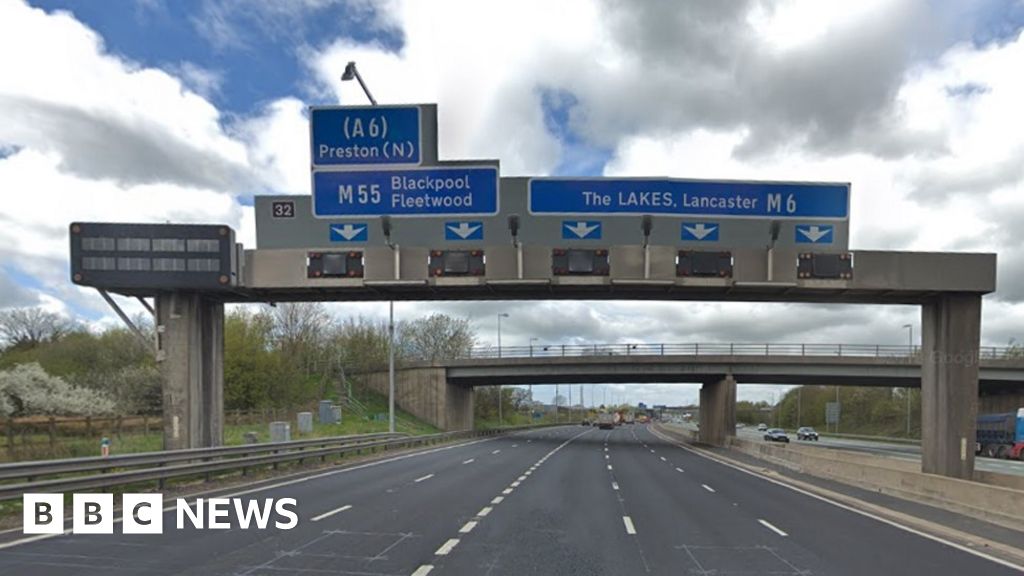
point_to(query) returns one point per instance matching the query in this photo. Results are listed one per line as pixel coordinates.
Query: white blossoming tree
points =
(27, 389)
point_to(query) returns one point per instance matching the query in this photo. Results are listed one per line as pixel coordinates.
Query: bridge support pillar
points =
(950, 336)
(190, 349)
(718, 411)
(426, 393)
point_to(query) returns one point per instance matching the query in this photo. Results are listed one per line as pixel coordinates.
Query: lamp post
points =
(350, 73)
(501, 418)
(910, 348)
(500, 316)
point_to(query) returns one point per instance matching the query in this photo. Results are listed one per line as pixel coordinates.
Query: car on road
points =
(776, 435)
(762, 427)
(806, 433)
(585, 422)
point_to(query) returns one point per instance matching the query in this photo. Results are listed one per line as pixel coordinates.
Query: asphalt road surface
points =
(560, 501)
(908, 452)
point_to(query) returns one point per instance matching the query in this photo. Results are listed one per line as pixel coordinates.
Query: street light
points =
(500, 316)
(350, 73)
(910, 347)
(501, 419)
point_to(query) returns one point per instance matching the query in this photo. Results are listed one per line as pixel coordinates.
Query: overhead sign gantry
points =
(387, 220)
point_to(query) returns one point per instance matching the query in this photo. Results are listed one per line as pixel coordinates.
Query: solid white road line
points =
(630, 529)
(422, 478)
(447, 547)
(470, 461)
(769, 526)
(846, 507)
(484, 511)
(708, 488)
(330, 513)
(497, 499)
(468, 527)
(423, 570)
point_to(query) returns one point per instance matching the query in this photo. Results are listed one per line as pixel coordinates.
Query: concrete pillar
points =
(427, 394)
(718, 411)
(950, 336)
(191, 354)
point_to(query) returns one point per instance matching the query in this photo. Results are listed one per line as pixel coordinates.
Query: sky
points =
(182, 111)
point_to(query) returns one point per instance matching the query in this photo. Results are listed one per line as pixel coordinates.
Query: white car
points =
(762, 427)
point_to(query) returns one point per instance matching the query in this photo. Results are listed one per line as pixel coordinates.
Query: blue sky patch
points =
(238, 54)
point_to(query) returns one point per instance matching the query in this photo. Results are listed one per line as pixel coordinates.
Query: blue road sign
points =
(700, 231)
(457, 190)
(365, 135)
(722, 198)
(349, 232)
(464, 230)
(581, 230)
(814, 234)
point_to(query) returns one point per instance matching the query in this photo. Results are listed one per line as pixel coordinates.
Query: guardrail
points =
(34, 469)
(160, 467)
(724, 349)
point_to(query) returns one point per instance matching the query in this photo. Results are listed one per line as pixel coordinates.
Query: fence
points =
(724, 349)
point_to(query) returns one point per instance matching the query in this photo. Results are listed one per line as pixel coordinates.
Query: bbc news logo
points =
(144, 513)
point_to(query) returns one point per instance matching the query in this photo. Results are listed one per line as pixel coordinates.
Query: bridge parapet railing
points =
(723, 349)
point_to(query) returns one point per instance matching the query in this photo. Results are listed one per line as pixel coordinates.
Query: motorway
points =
(562, 501)
(902, 451)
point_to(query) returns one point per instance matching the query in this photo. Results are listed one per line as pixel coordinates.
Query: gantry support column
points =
(950, 336)
(718, 411)
(190, 333)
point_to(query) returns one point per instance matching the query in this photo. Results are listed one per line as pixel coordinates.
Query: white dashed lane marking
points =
(468, 527)
(630, 529)
(447, 547)
(708, 488)
(330, 513)
(769, 526)
(422, 478)
(423, 570)
(470, 461)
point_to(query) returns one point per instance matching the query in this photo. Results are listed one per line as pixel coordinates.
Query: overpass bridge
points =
(442, 393)
(766, 363)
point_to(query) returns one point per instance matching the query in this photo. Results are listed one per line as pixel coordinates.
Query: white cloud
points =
(933, 146)
(105, 117)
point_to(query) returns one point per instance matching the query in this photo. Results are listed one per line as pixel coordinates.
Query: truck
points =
(1001, 435)
(605, 421)
(628, 418)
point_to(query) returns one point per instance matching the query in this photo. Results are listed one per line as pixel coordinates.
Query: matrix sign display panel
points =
(153, 256)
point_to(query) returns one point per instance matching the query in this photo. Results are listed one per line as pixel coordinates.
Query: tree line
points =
(863, 410)
(283, 356)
